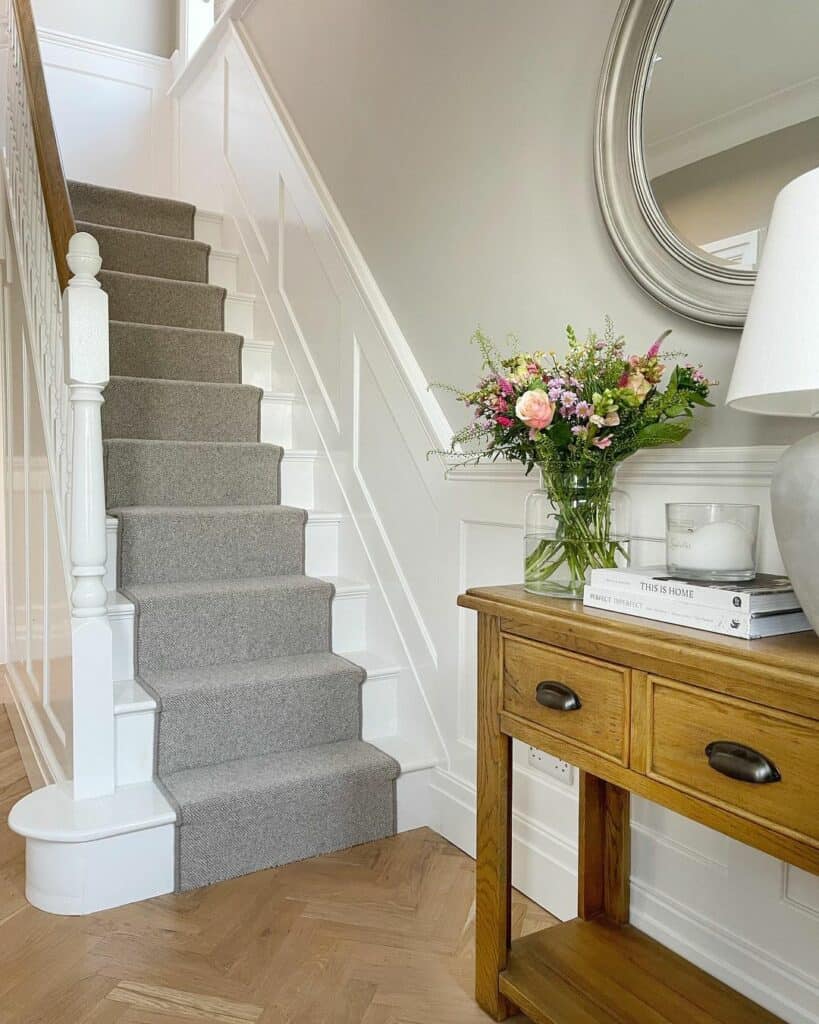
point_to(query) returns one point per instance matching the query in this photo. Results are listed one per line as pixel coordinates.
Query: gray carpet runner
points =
(259, 732)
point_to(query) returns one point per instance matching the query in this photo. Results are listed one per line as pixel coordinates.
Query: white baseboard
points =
(39, 758)
(766, 980)
(539, 858)
(19, 729)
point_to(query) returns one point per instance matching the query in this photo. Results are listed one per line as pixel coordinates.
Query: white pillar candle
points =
(715, 547)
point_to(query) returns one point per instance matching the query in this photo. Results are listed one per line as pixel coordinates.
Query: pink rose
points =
(535, 409)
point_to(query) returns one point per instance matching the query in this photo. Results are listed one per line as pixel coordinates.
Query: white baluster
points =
(85, 334)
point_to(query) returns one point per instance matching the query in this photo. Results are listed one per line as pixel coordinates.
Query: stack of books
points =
(764, 606)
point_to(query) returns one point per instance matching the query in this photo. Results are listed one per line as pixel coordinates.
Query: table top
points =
(782, 671)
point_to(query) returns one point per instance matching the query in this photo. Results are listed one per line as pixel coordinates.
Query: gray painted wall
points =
(734, 191)
(456, 139)
(146, 25)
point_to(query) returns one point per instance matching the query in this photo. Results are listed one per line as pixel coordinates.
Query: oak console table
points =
(723, 731)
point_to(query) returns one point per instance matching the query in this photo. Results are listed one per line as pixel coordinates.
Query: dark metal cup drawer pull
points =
(740, 762)
(557, 696)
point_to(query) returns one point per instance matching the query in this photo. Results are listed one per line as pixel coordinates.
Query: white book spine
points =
(696, 616)
(680, 594)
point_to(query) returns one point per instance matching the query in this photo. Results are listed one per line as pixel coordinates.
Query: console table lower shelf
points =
(722, 731)
(598, 972)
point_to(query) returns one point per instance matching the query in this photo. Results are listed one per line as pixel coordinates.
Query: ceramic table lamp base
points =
(795, 508)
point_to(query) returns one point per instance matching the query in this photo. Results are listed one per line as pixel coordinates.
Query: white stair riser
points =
(257, 364)
(239, 315)
(350, 622)
(379, 700)
(111, 537)
(223, 269)
(134, 738)
(277, 420)
(298, 479)
(207, 228)
(321, 547)
(122, 630)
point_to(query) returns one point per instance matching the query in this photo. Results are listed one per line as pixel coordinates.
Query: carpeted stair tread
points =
(177, 410)
(123, 209)
(212, 622)
(161, 544)
(249, 814)
(174, 353)
(141, 252)
(140, 299)
(246, 709)
(139, 472)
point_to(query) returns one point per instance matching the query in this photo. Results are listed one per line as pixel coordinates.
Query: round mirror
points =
(707, 108)
(730, 116)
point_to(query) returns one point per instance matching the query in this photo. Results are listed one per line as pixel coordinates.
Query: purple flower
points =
(584, 410)
(568, 398)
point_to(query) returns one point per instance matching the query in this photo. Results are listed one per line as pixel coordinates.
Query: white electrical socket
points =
(560, 770)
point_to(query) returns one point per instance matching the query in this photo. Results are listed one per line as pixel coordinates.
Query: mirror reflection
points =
(731, 115)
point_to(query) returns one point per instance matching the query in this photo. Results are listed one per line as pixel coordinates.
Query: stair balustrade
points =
(65, 331)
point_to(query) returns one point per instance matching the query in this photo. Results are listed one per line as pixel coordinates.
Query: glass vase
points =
(575, 523)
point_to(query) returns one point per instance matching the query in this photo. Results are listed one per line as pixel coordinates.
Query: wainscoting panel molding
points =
(111, 112)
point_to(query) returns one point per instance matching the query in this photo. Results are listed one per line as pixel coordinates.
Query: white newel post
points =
(85, 329)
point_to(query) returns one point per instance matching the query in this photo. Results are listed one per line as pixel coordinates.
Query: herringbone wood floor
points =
(381, 934)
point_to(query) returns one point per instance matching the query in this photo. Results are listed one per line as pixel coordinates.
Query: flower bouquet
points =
(575, 419)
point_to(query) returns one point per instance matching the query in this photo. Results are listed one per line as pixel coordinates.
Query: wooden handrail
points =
(55, 190)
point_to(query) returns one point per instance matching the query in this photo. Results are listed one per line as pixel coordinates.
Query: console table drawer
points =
(575, 697)
(760, 763)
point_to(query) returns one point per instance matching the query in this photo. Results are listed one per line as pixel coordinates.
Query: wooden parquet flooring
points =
(380, 934)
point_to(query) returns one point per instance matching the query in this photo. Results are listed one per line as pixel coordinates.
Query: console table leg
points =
(494, 827)
(604, 850)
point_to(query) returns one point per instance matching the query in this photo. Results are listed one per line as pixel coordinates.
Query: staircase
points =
(258, 736)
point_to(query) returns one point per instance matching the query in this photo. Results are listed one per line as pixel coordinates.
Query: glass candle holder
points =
(712, 541)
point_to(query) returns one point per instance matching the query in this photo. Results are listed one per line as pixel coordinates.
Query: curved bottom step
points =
(88, 855)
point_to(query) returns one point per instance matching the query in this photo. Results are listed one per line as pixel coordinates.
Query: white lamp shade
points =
(777, 367)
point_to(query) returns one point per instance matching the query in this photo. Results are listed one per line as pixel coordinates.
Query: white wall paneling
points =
(429, 533)
(111, 112)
